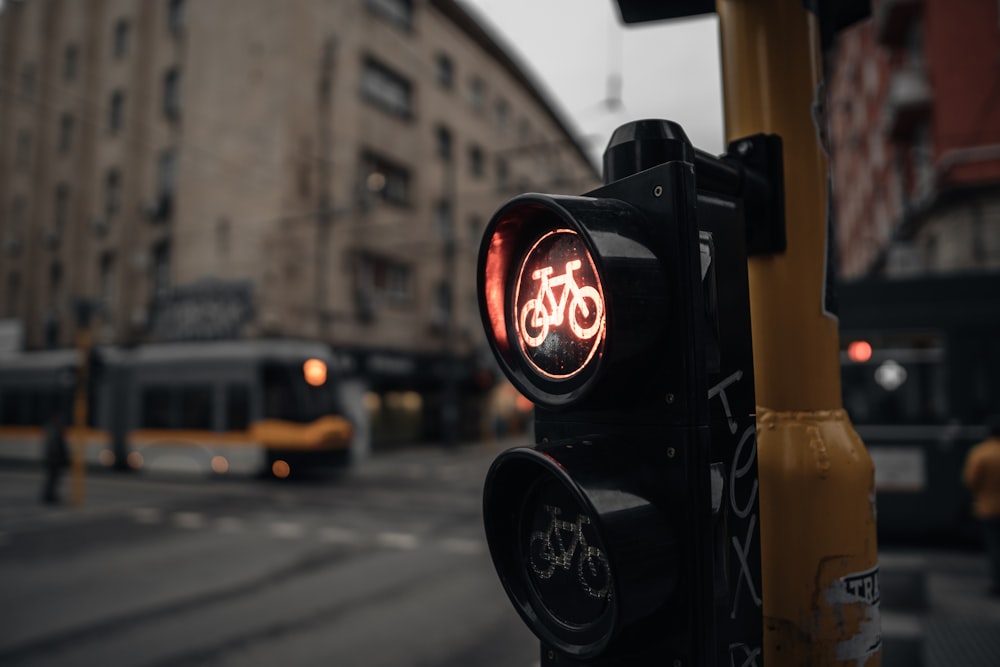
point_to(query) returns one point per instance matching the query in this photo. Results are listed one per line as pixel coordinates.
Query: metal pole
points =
(78, 463)
(817, 494)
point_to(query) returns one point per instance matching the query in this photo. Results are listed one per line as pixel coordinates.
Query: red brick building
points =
(914, 110)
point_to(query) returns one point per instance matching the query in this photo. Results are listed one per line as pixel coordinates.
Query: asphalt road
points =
(384, 565)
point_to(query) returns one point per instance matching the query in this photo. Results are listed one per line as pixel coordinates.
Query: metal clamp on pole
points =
(752, 170)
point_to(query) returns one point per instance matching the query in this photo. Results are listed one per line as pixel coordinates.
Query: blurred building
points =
(318, 169)
(914, 114)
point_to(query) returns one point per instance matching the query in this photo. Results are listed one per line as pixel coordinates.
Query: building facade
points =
(914, 113)
(317, 169)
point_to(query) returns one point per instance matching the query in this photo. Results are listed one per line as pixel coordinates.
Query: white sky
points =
(669, 69)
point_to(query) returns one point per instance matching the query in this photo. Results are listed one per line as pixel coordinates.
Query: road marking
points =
(335, 535)
(464, 546)
(230, 524)
(452, 473)
(405, 541)
(146, 515)
(188, 520)
(287, 530)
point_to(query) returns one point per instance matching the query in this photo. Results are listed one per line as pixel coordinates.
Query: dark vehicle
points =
(921, 373)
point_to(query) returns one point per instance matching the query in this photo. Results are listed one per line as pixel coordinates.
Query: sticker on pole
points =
(559, 311)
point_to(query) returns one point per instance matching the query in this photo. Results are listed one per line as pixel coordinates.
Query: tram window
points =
(279, 393)
(155, 408)
(237, 407)
(196, 407)
(15, 408)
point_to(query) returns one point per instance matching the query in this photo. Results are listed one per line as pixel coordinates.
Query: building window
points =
(442, 218)
(70, 62)
(397, 11)
(28, 80)
(112, 193)
(120, 43)
(172, 93)
(12, 240)
(444, 71)
(17, 209)
(61, 208)
(384, 179)
(524, 131)
(386, 89)
(116, 112)
(385, 279)
(161, 267)
(65, 132)
(441, 313)
(167, 174)
(444, 143)
(23, 156)
(106, 281)
(175, 16)
(50, 323)
(476, 161)
(503, 177)
(476, 94)
(501, 114)
(13, 294)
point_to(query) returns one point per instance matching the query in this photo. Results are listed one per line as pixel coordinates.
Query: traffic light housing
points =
(628, 534)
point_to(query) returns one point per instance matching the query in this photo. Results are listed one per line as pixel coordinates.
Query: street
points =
(383, 565)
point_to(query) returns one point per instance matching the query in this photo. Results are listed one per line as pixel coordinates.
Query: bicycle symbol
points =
(547, 551)
(545, 311)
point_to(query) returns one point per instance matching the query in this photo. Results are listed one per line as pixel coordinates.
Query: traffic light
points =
(629, 535)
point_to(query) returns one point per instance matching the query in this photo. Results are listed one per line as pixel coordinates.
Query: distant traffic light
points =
(629, 534)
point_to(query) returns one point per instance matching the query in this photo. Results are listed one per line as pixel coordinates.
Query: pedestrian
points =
(56, 457)
(982, 476)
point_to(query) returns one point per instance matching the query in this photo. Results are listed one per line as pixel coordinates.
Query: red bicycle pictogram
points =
(545, 311)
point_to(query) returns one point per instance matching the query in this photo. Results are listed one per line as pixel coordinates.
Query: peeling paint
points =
(856, 597)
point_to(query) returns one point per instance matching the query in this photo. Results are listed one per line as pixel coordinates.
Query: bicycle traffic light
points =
(628, 534)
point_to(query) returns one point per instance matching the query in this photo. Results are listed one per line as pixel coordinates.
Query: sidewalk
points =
(936, 611)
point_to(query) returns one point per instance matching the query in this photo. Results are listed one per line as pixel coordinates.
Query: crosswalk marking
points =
(292, 530)
(287, 530)
(405, 541)
(147, 515)
(188, 520)
(336, 535)
(230, 524)
(463, 546)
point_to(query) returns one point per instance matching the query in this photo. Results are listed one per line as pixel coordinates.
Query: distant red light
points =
(859, 351)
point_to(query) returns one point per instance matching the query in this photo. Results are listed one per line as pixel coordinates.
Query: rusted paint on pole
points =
(817, 495)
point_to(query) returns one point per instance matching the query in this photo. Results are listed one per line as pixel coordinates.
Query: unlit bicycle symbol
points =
(545, 311)
(548, 551)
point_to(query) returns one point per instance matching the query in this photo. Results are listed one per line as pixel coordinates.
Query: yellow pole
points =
(817, 490)
(78, 464)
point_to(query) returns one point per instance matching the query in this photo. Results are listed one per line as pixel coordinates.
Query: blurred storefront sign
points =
(204, 310)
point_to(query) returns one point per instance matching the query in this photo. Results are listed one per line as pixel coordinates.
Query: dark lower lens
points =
(567, 563)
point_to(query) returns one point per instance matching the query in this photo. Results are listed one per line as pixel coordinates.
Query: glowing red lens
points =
(859, 351)
(559, 309)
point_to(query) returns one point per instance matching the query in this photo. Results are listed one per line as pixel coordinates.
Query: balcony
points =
(893, 19)
(908, 102)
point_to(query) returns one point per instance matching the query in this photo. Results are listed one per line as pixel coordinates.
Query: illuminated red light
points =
(859, 351)
(314, 371)
(558, 306)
